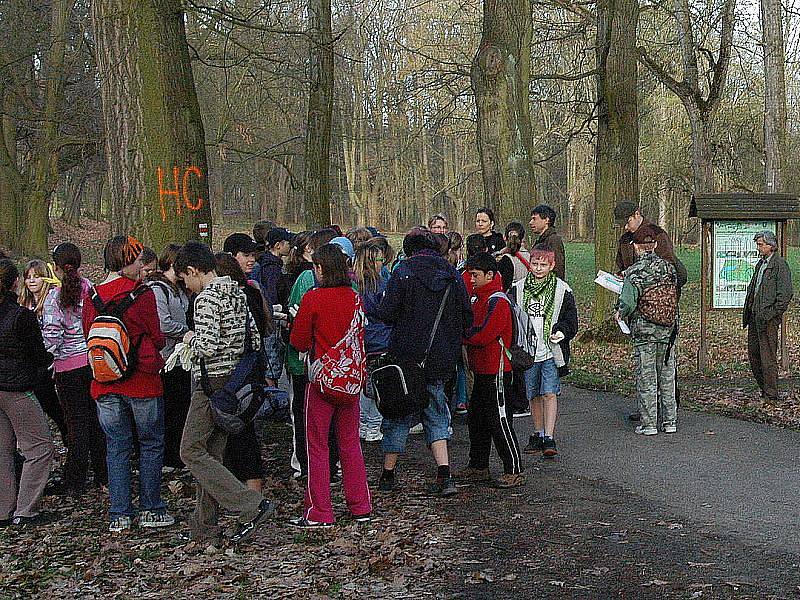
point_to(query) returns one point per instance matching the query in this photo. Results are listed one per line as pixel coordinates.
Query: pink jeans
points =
(320, 411)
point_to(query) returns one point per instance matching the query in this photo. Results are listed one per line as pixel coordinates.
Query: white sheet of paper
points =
(611, 282)
(624, 327)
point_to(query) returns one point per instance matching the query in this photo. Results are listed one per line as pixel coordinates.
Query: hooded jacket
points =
(376, 334)
(62, 330)
(492, 321)
(410, 305)
(269, 272)
(144, 330)
(220, 311)
(172, 306)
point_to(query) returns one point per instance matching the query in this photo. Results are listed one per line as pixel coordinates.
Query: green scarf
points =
(544, 291)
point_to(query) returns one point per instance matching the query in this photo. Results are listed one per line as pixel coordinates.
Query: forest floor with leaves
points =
(558, 536)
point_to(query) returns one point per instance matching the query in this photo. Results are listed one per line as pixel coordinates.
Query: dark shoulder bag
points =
(399, 384)
(241, 398)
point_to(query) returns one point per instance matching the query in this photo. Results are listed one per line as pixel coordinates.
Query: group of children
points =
(312, 304)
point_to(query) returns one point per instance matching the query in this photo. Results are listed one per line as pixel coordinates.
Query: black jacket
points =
(413, 295)
(22, 353)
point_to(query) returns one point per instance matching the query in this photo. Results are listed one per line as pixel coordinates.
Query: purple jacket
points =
(62, 331)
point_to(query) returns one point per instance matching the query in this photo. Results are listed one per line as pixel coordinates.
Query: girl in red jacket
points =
(330, 325)
(489, 418)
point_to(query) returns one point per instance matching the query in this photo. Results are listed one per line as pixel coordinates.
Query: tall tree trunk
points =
(775, 144)
(155, 140)
(580, 183)
(36, 208)
(500, 80)
(320, 115)
(11, 181)
(617, 161)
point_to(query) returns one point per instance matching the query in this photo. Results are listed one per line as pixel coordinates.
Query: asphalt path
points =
(738, 478)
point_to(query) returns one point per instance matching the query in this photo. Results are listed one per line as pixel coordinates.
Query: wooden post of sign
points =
(705, 265)
(783, 244)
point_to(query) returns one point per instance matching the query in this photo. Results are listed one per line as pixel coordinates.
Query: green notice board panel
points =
(735, 258)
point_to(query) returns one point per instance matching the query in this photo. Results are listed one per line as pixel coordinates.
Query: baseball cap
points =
(346, 246)
(623, 210)
(644, 235)
(278, 234)
(240, 242)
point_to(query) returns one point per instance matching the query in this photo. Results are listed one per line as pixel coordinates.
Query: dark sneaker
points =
(303, 523)
(472, 475)
(363, 518)
(444, 488)
(5, 522)
(246, 529)
(461, 408)
(28, 521)
(549, 447)
(635, 417)
(385, 484)
(534, 444)
(509, 480)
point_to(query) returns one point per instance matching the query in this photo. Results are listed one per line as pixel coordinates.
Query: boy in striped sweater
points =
(220, 310)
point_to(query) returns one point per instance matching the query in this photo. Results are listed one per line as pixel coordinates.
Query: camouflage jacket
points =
(648, 270)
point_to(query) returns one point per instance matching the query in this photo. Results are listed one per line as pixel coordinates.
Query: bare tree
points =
(617, 160)
(320, 115)
(775, 140)
(700, 100)
(157, 164)
(500, 81)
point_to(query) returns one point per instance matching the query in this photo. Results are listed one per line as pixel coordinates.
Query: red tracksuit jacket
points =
(483, 347)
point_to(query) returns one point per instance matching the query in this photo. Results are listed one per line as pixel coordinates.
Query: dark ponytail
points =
(67, 257)
(8, 275)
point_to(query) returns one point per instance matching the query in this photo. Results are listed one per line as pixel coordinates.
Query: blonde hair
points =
(367, 271)
(26, 297)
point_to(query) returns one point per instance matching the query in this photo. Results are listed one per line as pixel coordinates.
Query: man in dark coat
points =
(768, 296)
(542, 223)
(413, 296)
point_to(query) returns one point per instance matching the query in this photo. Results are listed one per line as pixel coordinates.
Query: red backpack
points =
(340, 372)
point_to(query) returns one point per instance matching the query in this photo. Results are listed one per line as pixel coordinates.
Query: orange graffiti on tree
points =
(180, 196)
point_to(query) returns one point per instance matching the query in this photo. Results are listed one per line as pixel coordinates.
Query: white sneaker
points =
(151, 519)
(416, 429)
(372, 435)
(670, 428)
(646, 430)
(119, 524)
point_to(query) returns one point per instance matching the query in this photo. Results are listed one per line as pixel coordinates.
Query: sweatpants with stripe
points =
(489, 420)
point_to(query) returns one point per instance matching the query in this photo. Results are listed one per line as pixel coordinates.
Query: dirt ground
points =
(558, 536)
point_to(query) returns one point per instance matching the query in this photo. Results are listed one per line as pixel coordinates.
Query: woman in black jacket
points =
(22, 422)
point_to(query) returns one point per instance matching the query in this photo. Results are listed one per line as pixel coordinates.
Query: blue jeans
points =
(370, 417)
(461, 384)
(435, 422)
(542, 378)
(116, 414)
